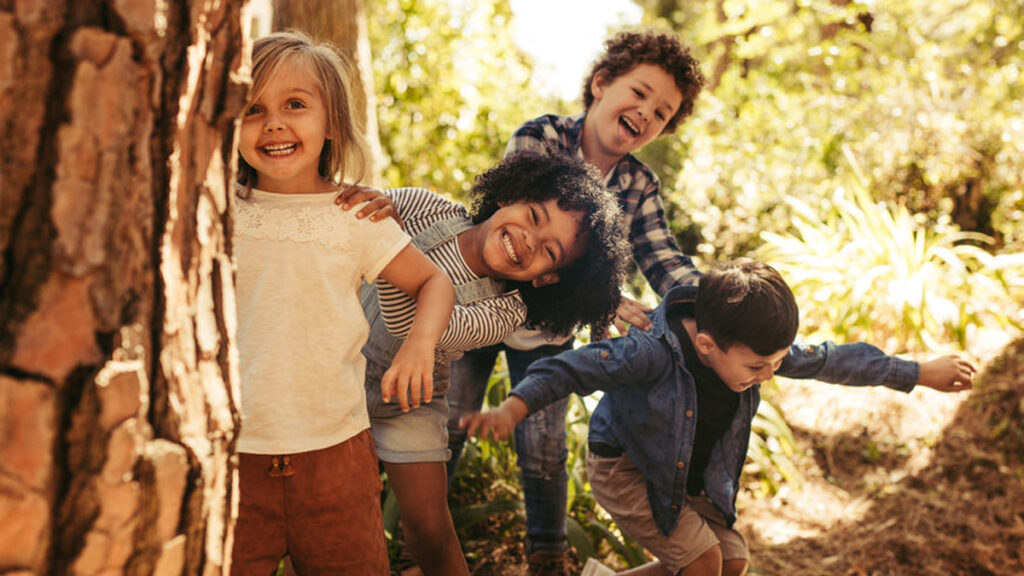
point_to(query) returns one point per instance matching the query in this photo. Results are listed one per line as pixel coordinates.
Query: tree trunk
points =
(118, 385)
(344, 24)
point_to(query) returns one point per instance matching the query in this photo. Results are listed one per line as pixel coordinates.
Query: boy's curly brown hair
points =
(587, 292)
(627, 50)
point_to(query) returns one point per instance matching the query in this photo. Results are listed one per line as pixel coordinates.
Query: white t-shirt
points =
(300, 261)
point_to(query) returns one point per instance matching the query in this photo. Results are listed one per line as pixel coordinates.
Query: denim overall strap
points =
(381, 345)
(441, 232)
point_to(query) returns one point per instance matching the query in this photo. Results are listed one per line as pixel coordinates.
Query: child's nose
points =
(272, 124)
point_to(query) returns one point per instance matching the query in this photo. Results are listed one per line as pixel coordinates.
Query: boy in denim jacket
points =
(669, 438)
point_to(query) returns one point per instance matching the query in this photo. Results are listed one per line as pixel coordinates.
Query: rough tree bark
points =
(118, 385)
(344, 24)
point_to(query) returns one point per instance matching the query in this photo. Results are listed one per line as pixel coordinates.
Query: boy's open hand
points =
(947, 374)
(499, 423)
(411, 375)
(378, 205)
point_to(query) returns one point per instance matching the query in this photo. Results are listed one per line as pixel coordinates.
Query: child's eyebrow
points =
(544, 209)
(558, 243)
(297, 89)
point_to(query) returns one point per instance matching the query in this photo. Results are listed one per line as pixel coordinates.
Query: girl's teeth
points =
(279, 150)
(508, 248)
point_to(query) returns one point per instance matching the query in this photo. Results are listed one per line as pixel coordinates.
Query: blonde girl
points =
(308, 479)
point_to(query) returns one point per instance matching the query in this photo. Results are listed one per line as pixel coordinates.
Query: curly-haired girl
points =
(543, 246)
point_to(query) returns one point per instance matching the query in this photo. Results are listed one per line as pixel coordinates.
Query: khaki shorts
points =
(621, 490)
(326, 514)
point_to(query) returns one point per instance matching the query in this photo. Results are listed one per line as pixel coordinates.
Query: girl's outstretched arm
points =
(411, 375)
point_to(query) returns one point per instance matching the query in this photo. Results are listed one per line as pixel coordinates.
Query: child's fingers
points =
(428, 386)
(387, 386)
(415, 385)
(403, 392)
(354, 194)
(469, 423)
(378, 209)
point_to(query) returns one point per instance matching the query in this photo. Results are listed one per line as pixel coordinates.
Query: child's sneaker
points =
(595, 568)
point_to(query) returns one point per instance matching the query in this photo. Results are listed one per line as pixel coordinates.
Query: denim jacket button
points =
(680, 464)
(675, 508)
(604, 354)
(689, 413)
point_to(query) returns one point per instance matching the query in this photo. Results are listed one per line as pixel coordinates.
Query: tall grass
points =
(878, 273)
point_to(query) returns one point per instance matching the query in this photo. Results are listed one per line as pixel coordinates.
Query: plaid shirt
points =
(654, 248)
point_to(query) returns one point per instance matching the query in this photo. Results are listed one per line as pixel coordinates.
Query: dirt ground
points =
(895, 484)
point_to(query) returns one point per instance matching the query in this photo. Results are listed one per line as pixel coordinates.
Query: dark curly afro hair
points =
(627, 50)
(587, 292)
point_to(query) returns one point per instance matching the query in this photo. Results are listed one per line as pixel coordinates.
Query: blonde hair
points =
(346, 152)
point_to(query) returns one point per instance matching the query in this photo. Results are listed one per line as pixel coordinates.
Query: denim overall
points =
(381, 346)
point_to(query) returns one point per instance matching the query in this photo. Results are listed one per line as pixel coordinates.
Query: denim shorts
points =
(419, 435)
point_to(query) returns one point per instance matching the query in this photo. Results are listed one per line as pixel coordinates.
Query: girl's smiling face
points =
(529, 242)
(283, 132)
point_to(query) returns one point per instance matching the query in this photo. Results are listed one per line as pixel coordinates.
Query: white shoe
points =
(595, 568)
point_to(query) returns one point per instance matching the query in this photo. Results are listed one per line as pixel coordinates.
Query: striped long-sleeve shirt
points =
(472, 326)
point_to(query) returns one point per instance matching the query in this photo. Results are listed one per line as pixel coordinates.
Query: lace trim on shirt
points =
(306, 224)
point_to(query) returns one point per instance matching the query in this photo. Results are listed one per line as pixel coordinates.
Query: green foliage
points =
(874, 272)
(926, 94)
(452, 87)
(772, 446)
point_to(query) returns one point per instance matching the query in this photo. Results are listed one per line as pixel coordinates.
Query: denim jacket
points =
(649, 407)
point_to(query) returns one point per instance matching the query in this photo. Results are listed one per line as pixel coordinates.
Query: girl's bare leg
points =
(421, 489)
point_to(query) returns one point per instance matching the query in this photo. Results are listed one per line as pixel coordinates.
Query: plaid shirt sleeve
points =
(539, 135)
(654, 247)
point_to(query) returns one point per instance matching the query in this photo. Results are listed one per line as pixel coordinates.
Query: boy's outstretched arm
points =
(947, 374)
(411, 375)
(499, 423)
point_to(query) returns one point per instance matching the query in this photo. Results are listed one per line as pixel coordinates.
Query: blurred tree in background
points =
(451, 85)
(926, 94)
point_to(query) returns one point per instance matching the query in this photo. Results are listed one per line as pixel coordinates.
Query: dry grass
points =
(923, 484)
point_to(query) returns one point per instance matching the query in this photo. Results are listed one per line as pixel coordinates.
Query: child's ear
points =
(545, 280)
(598, 84)
(704, 343)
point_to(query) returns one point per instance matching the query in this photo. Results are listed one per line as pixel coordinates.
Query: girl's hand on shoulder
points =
(947, 374)
(632, 313)
(410, 378)
(378, 205)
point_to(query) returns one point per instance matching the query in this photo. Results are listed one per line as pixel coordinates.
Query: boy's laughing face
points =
(739, 367)
(631, 110)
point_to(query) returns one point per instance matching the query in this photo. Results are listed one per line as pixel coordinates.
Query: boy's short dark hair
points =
(587, 292)
(627, 50)
(747, 302)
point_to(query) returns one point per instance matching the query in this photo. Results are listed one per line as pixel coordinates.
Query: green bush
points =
(863, 270)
